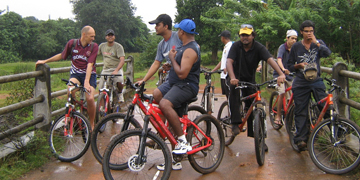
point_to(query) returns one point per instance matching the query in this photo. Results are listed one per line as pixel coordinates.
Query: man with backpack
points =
(83, 54)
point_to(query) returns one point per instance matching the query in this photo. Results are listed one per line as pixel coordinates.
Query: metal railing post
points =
(342, 109)
(43, 88)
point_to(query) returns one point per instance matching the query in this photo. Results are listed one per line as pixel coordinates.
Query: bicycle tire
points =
(208, 159)
(121, 154)
(194, 111)
(259, 136)
(72, 147)
(291, 128)
(338, 156)
(274, 99)
(224, 118)
(113, 123)
(101, 107)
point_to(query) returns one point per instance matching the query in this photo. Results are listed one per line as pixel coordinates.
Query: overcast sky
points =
(42, 9)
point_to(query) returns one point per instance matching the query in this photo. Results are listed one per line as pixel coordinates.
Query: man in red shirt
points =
(83, 57)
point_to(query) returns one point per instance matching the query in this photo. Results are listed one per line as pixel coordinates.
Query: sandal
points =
(278, 122)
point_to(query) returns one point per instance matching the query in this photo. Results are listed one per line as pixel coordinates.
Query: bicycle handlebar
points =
(244, 84)
(332, 83)
(70, 83)
(211, 72)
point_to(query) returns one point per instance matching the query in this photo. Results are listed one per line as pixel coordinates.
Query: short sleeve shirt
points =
(111, 54)
(224, 58)
(80, 57)
(164, 47)
(245, 63)
(283, 54)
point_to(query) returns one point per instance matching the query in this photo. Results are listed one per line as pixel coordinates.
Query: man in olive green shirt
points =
(114, 58)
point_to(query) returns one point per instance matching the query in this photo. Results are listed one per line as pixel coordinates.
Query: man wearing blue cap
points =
(183, 81)
(243, 59)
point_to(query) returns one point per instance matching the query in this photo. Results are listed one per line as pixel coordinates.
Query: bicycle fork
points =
(141, 159)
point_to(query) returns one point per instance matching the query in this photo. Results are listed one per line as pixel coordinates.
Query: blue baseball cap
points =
(187, 25)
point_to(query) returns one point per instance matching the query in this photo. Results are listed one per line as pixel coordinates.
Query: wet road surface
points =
(239, 162)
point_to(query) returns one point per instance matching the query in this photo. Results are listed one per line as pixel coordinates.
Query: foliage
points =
(208, 31)
(112, 14)
(148, 56)
(34, 155)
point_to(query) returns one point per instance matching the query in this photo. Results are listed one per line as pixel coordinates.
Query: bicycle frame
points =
(328, 103)
(257, 100)
(286, 104)
(152, 115)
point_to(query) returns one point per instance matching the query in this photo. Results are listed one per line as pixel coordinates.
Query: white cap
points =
(291, 32)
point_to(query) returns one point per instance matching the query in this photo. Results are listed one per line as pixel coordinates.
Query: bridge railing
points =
(41, 100)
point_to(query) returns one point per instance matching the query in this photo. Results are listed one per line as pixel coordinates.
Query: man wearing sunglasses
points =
(304, 59)
(114, 59)
(243, 59)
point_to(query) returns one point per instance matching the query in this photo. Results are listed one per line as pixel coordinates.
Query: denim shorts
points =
(81, 78)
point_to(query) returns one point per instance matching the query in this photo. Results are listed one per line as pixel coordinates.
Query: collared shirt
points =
(245, 63)
(81, 56)
(224, 58)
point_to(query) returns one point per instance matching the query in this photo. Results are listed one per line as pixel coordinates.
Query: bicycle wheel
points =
(113, 123)
(101, 106)
(291, 128)
(274, 100)
(208, 159)
(122, 154)
(337, 150)
(224, 119)
(71, 146)
(195, 111)
(259, 136)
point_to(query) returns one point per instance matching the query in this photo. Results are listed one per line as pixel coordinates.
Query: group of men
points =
(180, 51)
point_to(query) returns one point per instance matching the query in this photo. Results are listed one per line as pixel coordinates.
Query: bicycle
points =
(107, 102)
(121, 122)
(286, 105)
(259, 125)
(208, 98)
(69, 136)
(334, 143)
(129, 152)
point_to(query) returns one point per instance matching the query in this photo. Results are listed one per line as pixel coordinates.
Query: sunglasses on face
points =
(110, 35)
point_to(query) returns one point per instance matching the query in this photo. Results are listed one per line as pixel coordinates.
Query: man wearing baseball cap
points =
(114, 59)
(282, 58)
(183, 82)
(242, 61)
(170, 38)
(225, 39)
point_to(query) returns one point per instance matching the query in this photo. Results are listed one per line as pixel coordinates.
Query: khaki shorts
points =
(281, 89)
(116, 78)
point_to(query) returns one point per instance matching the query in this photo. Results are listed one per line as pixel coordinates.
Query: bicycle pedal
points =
(215, 99)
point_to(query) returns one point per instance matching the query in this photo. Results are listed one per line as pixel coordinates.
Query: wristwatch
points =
(317, 42)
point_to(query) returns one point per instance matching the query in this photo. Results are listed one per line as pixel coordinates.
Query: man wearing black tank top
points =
(183, 80)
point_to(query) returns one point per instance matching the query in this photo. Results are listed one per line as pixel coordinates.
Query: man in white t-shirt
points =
(225, 38)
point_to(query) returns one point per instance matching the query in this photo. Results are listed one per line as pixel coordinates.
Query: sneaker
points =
(235, 129)
(175, 166)
(181, 147)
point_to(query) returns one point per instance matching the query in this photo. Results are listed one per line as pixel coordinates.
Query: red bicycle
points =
(128, 151)
(115, 123)
(69, 136)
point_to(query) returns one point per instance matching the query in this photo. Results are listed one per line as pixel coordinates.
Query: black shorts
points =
(81, 78)
(224, 87)
(177, 94)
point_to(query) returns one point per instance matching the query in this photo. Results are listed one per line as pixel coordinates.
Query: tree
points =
(112, 14)
(208, 32)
